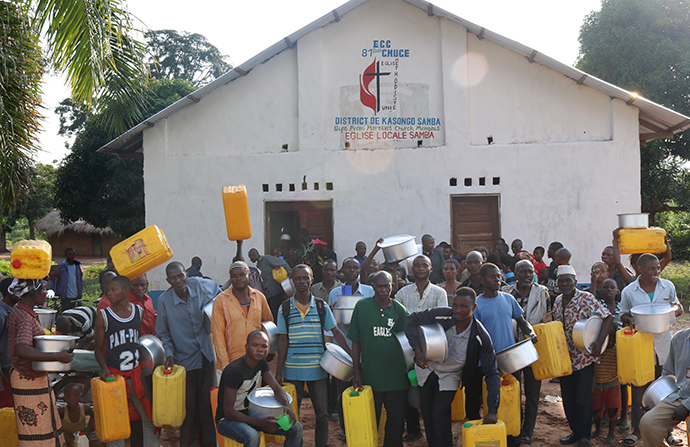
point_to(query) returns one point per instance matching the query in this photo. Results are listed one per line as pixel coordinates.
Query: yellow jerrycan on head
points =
(509, 407)
(169, 396)
(554, 359)
(31, 259)
(110, 410)
(634, 357)
(141, 252)
(478, 434)
(236, 209)
(360, 417)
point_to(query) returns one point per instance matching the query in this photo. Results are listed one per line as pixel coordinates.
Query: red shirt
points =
(23, 326)
(538, 266)
(148, 323)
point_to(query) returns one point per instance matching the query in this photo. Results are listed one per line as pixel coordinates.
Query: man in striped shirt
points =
(79, 322)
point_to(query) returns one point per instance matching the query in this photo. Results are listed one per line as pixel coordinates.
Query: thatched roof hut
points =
(84, 238)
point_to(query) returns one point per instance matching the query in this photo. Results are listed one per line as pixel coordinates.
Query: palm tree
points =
(88, 40)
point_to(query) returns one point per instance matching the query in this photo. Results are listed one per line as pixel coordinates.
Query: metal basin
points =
(336, 362)
(151, 354)
(633, 220)
(658, 390)
(273, 338)
(288, 287)
(53, 343)
(397, 248)
(654, 318)
(348, 301)
(263, 404)
(46, 317)
(407, 350)
(586, 332)
(343, 315)
(433, 341)
(514, 358)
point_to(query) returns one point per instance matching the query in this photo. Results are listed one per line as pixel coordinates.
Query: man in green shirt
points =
(372, 330)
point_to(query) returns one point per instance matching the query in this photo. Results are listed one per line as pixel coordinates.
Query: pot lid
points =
(264, 397)
(395, 240)
(56, 337)
(652, 309)
(339, 353)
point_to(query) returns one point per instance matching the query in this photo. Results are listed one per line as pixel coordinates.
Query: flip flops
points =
(674, 440)
(629, 440)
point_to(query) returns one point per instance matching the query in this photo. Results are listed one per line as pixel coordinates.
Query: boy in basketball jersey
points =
(117, 352)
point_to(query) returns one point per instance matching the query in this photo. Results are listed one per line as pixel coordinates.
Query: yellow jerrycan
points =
(169, 396)
(227, 442)
(477, 434)
(141, 252)
(457, 407)
(8, 428)
(360, 417)
(641, 240)
(292, 391)
(236, 209)
(110, 409)
(31, 259)
(554, 360)
(382, 426)
(634, 357)
(509, 408)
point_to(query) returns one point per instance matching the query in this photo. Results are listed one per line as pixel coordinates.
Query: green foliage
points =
(21, 68)
(93, 271)
(5, 267)
(679, 274)
(100, 188)
(39, 199)
(677, 226)
(182, 55)
(91, 291)
(644, 46)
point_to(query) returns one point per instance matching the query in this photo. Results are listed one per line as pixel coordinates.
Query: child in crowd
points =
(606, 393)
(539, 263)
(74, 417)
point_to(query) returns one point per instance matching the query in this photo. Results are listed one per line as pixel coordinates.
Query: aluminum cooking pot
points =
(263, 404)
(407, 350)
(53, 343)
(586, 332)
(654, 318)
(658, 390)
(433, 342)
(46, 317)
(151, 354)
(348, 301)
(273, 337)
(633, 220)
(336, 362)
(343, 315)
(514, 358)
(288, 287)
(397, 248)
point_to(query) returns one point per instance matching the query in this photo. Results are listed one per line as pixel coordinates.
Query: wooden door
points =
(476, 222)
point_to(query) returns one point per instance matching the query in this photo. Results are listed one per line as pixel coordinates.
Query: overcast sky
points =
(243, 29)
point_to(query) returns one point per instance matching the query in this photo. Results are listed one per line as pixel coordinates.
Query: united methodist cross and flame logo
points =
(369, 99)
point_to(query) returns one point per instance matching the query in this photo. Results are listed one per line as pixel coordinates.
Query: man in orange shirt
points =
(137, 295)
(237, 311)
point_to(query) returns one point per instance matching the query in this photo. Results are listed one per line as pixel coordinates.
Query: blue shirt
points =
(305, 342)
(72, 291)
(180, 324)
(497, 315)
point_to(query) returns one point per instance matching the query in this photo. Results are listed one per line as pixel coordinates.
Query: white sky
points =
(243, 29)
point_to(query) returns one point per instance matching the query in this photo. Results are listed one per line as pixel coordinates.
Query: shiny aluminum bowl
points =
(586, 332)
(348, 301)
(46, 317)
(633, 220)
(658, 391)
(52, 344)
(343, 315)
(654, 318)
(263, 404)
(288, 287)
(407, 350)
(336, 362)
(398, 248)
(433, 342)
(515, 357)
(151, 354)
(271, 330)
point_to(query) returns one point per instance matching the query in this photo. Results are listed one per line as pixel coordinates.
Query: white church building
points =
(393, 117)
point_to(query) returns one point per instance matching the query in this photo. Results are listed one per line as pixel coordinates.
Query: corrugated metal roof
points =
(656, 121)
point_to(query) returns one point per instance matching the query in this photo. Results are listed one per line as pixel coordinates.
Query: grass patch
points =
(5, 267)
(679, 274)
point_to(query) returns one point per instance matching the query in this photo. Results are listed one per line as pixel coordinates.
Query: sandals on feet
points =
(629, 440)
(674, 440)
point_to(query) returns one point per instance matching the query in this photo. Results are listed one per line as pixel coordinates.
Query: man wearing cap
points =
(237, 311)
(285, 250)
(182, 330)
(647, 289)
(571, 306)
(273, 290)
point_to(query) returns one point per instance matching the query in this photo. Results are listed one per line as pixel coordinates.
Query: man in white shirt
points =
(648, 289)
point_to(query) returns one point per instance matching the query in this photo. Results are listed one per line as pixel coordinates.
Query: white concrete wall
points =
(544, 127)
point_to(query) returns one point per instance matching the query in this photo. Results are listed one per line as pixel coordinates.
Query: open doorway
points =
(290, 217)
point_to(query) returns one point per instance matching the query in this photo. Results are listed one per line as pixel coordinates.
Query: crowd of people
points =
(485, 300)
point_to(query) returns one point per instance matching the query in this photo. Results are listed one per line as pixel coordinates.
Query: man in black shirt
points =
(239, 379)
